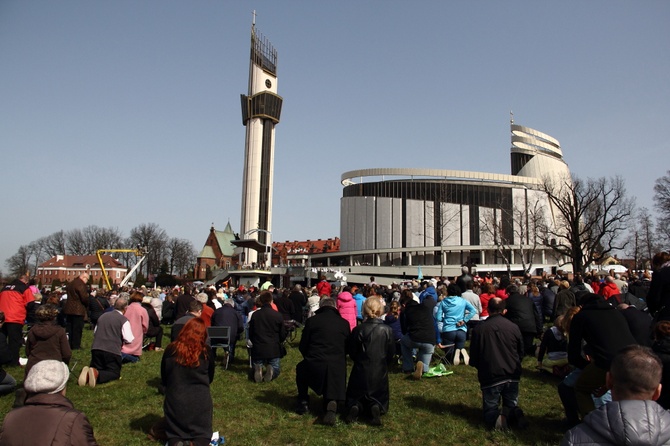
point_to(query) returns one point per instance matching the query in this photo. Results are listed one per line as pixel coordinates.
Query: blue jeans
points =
(125, 357)
(491, 400)
(7, 385)
(424, 353)
(274, 363)
(454, 337)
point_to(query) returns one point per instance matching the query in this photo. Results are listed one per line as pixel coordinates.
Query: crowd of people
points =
(599, 325)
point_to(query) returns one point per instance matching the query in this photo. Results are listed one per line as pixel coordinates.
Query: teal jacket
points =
(450, 311)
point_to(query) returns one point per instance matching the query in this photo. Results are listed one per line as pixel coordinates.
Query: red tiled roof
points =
(308, 246)
(81, 261)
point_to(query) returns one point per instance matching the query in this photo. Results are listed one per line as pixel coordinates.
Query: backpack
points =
(630, 299)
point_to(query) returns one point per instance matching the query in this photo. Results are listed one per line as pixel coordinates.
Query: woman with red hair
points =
(187, 370)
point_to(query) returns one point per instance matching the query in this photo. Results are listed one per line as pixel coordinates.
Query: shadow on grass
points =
(277, 399)
(541, 428)
(469, 414)
(144, 423)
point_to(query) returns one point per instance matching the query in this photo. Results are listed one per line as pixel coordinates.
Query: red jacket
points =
(609, 289)
(13, 300)
(323, 287)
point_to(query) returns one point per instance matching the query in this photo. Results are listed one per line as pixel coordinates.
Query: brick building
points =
(66, 268)
(216, 254)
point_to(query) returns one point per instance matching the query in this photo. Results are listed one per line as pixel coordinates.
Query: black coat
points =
(639, 323)
(658, 297)
(182, 305)
(266, 333)
(323, 347)
(496, 349)
(154, 322)
(5, 355)
(522, 311)
(228, 316)
(371, 346)
(96, 306)
(416, 320)
(299, 301)
(604, 329)
(662, 348)
(565, 299)
(285, 307)
(188, 402)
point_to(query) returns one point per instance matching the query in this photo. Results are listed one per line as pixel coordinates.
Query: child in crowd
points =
(46, 339)
(392, 319)
(555, 346)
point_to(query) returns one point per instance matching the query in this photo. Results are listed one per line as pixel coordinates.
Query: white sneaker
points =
(83, 376)
(466, 357)
(457, 357)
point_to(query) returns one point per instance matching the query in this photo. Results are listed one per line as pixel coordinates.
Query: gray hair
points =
(121, 303)
(327, 302)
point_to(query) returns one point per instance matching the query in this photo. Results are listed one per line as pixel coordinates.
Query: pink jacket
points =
(139, 323)
(346, 305)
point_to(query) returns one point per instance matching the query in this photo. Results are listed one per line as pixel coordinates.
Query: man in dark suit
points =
(266, 334)
(324, 367)
(522, 311)
(228, 316)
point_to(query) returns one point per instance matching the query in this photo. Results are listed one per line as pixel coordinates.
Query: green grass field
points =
(434, 411)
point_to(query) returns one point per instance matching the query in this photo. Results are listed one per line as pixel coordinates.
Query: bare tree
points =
(528, 229)
(88, 240)
(634, 248)
(443, 219)
(76, 243)
(19, 263)
(662, 205)
(181, 255)
(647, 233)
(592, 216)
(492, 228)
(642, 244)
(155, 239)
(37, 254)
(55, 244)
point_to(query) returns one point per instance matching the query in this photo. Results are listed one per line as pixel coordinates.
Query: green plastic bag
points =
(438, 370)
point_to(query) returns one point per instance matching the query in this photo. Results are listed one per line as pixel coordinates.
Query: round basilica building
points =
(439, 220)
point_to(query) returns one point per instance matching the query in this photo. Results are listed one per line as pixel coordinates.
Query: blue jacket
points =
(429, 291)
(451, 311)
(359, 298)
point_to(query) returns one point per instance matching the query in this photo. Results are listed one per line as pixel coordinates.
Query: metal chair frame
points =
(447, 350)
(220, 338)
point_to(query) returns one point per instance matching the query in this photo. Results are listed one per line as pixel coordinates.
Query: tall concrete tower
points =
(261, 109)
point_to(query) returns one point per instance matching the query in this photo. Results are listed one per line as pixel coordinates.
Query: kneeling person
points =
(496, 351)
(111, 332)
(633, 416)
(324, 367)
(46, 404)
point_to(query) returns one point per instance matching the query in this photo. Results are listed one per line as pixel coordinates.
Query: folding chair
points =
(220, 338)
(448, 351)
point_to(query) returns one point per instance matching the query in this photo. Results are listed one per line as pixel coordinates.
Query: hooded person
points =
(59, 421)
(346, 305)
(47, 339)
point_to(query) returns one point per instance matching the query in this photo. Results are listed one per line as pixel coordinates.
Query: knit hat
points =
(202, 298)
(47, 376)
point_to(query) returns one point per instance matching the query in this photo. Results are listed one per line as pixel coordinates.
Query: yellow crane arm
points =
(139, 252)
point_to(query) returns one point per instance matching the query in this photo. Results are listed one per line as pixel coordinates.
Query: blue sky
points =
(127, 112)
